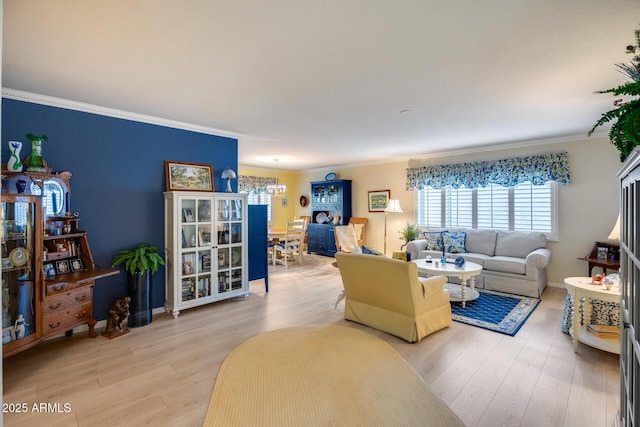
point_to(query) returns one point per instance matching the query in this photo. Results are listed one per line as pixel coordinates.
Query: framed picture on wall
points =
(378, 200)
(188, 176)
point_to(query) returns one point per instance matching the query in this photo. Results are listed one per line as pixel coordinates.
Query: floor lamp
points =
(392, 207)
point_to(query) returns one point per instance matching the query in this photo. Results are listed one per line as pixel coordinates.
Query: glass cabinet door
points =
(21, 274)
(196, 249)
(229, 224)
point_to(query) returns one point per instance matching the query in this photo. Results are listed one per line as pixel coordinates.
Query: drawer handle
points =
(58, 288)
(81, 298)
(53, 326)
(81, 315)
(53, 307)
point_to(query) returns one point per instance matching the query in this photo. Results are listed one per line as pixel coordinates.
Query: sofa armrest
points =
(539, 258)
(415, 246)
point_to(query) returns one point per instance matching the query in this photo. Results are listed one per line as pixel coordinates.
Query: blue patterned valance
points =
(254, 184)
(538, 170)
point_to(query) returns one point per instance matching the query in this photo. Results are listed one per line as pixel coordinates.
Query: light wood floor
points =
(163, 374)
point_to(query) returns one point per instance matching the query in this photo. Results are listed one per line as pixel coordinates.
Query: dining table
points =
(276, 233)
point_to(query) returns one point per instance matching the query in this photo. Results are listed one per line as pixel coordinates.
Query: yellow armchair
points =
(387, 295)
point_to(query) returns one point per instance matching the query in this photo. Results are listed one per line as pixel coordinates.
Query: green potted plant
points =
(625, 131)
(140, 262)
(409, 233)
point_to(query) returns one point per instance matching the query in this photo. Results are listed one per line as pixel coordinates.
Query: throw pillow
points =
(367, 251)
(454, 242)
(434, 240)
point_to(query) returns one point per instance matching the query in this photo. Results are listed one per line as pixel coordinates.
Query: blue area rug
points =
(495, 311)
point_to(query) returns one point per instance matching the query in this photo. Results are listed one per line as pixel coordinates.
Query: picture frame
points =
(76, 264)
(284, 202)
(8, 335)
(187, 215)
(378, 200)
(188, 176)
(187, 267)
(48, 269)
(602, 252)
(62, 266)
(204, 237)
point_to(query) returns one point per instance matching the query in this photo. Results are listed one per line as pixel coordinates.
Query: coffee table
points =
(466, 274)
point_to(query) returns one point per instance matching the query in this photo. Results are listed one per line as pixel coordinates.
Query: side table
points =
(579, 288)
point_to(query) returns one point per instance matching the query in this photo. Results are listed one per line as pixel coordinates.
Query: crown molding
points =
(51, 101)
(512, 145)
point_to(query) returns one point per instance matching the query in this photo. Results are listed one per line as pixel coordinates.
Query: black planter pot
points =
(140, 293)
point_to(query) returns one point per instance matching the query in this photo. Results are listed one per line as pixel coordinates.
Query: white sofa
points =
(513, 261)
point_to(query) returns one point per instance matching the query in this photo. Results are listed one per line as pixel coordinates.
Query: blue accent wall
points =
(118, 177)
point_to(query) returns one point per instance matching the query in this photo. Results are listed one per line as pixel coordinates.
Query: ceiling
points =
(333, 82)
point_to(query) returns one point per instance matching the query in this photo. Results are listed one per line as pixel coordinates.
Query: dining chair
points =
(291, 248)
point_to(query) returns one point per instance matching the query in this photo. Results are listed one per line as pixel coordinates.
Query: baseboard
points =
(103, 323)
(556, 285)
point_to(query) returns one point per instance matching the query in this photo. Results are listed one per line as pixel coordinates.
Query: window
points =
(523, 207)
(260, 199)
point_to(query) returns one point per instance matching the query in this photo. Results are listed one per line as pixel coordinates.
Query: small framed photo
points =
(8, 335)
(378, 200)
(187, 215)
(204, 237)
(62, 266)
(284, 202)
(187, 267)
(49, 269)
(188, 176)
(76, 264)
(602, 253)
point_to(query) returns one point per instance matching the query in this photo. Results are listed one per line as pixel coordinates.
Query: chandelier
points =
(277, 190)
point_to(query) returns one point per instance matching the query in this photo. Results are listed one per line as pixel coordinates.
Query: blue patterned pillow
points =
(454, 242)
(434, 240)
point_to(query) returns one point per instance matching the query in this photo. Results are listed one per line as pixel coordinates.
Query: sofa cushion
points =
(519, 243)
(454, 242)
(434, 240)
(474, 257)
(505, 264)
(481, 241)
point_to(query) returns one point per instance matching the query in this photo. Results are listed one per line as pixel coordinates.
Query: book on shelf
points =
(604, 331)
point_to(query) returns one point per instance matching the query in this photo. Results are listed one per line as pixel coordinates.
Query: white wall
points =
(588, 207)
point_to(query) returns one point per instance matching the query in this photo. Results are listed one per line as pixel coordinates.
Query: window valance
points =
(538, 169)
(254, 184)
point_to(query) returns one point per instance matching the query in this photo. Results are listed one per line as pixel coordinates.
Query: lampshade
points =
(228, 174)
(393, 206)
(615, 233)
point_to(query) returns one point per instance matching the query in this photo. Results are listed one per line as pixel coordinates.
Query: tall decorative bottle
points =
(14, 164)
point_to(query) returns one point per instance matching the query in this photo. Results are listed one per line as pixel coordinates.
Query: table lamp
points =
(228, 174)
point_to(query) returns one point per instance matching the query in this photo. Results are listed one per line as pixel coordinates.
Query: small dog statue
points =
(118, 311)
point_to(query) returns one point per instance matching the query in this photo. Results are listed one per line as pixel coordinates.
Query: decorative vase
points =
(36, 162)
(21, 186)
(459, 262)
(14, 164)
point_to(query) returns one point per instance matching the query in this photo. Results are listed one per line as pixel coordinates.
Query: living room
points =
(116, 155)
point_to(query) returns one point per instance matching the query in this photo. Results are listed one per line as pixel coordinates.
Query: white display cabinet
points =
(205, 248)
